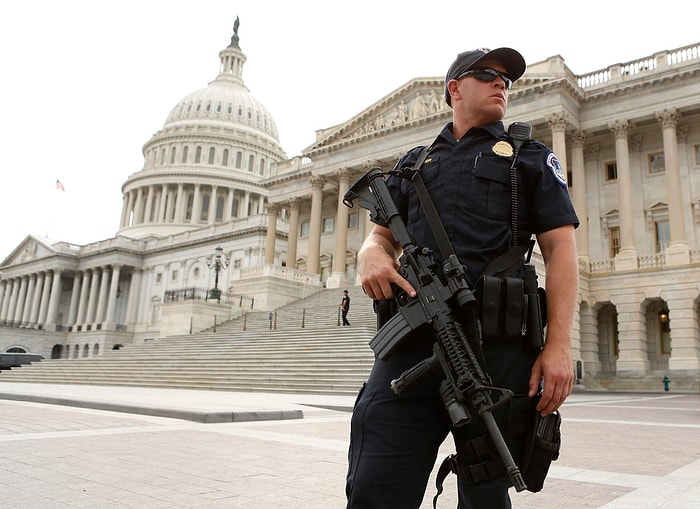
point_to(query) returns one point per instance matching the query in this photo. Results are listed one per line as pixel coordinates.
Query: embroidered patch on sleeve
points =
(556, 169)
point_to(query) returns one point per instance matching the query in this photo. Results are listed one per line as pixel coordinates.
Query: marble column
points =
(112, 297)
(578, 176)
(314, 251)
(272, 211)
(54, 299)
(338, 276)
(677, 252)
(294, 205)
(74, 299)
(626, 259)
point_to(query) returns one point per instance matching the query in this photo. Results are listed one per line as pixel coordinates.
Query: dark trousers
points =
(345, 317)
(394, 440)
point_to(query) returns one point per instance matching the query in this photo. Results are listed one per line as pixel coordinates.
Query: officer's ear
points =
(453, 89)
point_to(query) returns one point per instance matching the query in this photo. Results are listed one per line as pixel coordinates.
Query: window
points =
(697, 155)
(327, 225)
(614, 236)
(212, 153)
(611, 171)
(203, 213)
(251, 163)
(239, 159)
(662, 235)
(220, 208)
(159, 278)
(234, 207)
(172, 155)
(657, 163)
(224, 158)
(185, 151)
(173, 276)
(261, 166)
(190, 204)
(197, 155)
(304, 229)
(162, 157)
(237, 264)
(353, 220)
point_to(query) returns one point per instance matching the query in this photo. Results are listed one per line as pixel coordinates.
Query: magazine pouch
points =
(503, 305)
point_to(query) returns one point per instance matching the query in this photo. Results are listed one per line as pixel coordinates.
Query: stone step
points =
(319, 358)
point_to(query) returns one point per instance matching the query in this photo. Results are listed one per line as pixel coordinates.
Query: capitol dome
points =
(206, 165)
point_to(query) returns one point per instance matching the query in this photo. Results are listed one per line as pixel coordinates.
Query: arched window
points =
(205, 207)
(86, 350)
(261, 170)
(234, 206)
(185, 152)
(162, 158)
(190, 204)
(56, 351)
(220, 208)
(96, 350)
(173, 153)
(212, 153)
(239, 159)
(251, 163)
(224, 158)
(198, 155)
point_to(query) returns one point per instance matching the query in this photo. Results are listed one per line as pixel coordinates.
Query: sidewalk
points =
(160, 448)
(191, 405)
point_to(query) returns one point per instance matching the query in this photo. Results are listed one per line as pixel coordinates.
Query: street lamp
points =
(217, 262)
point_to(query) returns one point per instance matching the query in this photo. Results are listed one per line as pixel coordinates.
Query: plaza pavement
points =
(64, 446)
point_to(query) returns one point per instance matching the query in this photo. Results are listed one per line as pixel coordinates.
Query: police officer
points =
(395, 440)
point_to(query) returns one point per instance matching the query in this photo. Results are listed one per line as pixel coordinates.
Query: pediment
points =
(31, 248)
(418, 99)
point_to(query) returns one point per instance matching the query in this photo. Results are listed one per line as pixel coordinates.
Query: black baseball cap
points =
(511, 60)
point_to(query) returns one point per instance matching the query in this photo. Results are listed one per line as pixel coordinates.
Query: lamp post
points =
(217, 262)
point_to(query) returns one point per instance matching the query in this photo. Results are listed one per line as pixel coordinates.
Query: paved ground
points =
(107, 447)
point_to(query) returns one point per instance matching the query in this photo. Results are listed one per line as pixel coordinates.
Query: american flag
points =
(60, 186)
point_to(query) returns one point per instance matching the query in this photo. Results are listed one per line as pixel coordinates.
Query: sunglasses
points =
(487, 75)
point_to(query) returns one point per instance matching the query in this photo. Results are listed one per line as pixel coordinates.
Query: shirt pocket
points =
(489, 194)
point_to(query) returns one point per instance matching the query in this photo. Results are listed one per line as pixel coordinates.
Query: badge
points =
(503, 148)
(556, 169)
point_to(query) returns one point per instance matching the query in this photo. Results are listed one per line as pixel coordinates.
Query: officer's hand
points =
(378, 271)
(554, 367)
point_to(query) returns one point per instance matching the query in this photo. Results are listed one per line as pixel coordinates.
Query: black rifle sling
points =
(438, 229)
(431, 214)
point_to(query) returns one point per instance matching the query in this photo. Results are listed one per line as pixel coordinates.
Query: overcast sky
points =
(85, 84)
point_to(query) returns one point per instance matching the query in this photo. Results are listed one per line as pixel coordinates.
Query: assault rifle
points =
(441, 296)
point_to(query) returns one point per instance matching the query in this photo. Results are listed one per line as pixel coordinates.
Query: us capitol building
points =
(220, 220)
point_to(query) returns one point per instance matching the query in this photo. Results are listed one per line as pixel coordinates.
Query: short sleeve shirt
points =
(469, 182)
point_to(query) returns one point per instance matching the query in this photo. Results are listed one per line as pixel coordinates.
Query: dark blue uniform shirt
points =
(469, 182)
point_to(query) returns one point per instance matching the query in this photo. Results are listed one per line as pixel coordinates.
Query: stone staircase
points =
(300, 350)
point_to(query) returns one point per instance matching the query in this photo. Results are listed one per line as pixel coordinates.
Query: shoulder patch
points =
(556, 169)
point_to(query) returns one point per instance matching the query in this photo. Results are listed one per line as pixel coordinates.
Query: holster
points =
(541, 448)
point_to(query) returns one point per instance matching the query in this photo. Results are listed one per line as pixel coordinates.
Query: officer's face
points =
(481, 102)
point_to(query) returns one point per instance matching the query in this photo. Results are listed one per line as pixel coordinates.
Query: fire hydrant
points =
(667, 381)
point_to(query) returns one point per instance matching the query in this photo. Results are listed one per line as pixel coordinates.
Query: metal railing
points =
(233, 299)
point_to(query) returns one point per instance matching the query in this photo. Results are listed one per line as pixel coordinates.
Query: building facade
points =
(215, 176)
